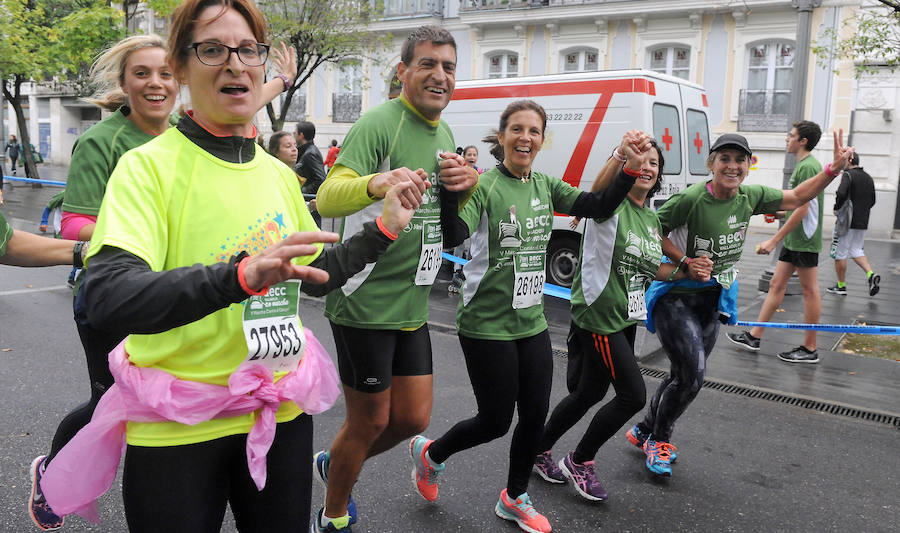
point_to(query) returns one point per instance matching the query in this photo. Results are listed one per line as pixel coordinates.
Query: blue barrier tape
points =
(32, 180)
(834, 328)
(566, 294)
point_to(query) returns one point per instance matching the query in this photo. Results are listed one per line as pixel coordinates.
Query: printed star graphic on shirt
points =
(279, 218)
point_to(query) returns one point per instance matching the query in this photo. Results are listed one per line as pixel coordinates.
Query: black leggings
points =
(504, 375)
(687, 326)
(185, 488)
(97, 345)
(606, 359)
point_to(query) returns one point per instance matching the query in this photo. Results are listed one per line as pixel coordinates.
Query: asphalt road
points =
(744, 464)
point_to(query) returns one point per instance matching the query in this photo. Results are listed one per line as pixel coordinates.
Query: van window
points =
(698, 141)
(667, 132)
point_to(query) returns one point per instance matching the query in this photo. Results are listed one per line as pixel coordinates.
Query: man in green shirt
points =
(379, 317)
(802, 236)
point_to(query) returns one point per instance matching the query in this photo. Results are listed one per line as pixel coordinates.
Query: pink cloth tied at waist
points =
(86, 467)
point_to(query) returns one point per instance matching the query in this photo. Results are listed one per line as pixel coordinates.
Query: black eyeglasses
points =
(215, 54)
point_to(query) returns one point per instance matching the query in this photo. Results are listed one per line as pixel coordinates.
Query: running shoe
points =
(545, 466)
(800, 354)
(41, 513)
(521, 512)
(583, 477)
(320, 466)
(874, 280)
(638, 438)
(659, 457)
(456, 282)
(424, 475)
(834, 289)
(341, 525)
(745, 340)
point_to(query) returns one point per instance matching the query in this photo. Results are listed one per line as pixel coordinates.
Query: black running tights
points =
(687, 326)
(97, 345)
(606, 359)
(505, 376)
(185, 488)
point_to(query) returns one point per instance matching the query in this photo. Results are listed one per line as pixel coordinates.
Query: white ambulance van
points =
(587, 114)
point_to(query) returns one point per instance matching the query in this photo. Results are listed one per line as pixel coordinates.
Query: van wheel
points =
(562, 261)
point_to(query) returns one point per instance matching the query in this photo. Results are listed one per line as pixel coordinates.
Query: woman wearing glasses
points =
(138, 85)
(210, 380)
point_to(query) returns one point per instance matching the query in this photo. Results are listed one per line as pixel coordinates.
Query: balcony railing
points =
(346, 107)
(55, 88)
(490, 5)
(413, 8)
(764, 110)
(297, 110)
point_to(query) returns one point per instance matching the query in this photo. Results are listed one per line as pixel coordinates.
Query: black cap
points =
(731, 140)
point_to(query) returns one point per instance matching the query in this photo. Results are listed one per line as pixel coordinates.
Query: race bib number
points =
(637, 305)
(528, 287)
(726, 278)
(430, 257)
(272, 328)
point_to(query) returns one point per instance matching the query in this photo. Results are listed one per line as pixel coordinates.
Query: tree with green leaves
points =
(321, 31)
(43, 40)
(874, 44)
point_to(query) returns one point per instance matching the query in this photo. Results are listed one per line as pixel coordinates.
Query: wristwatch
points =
(286, 80)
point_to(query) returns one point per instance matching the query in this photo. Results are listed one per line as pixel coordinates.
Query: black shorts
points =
(368, 358)
(799, 259)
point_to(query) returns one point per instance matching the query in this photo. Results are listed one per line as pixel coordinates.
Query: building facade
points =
(743, 52)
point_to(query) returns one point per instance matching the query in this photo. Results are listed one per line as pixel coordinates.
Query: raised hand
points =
(275, 265)
(455, 174)
(634, 144)
(285, 61)
(842, 154)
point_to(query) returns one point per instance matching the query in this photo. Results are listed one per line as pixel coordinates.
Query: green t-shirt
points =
(701, 224)
(807, 236)
(620, 257)
(95, 156)
(173, 204)
(510, 222)
(393, 292)
(6, 233)
(56, 200)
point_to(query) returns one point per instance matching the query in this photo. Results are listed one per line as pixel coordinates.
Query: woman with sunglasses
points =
(198, 243)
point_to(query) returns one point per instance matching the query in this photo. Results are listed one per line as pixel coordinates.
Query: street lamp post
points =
(798, 107)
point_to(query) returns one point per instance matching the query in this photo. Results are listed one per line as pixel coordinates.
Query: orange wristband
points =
(384, 229)
(632, 173)
(243, 281)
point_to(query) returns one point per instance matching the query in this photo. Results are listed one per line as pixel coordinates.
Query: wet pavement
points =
(745, 464)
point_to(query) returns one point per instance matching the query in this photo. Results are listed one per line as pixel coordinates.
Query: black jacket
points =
(857, 185)
(310, 166)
